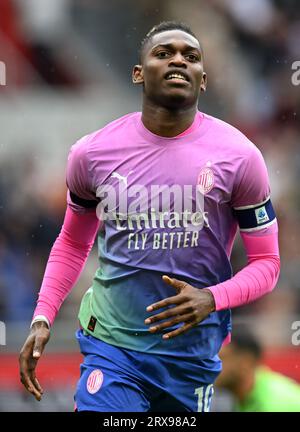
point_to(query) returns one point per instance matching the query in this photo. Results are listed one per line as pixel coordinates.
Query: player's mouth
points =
(177, 77)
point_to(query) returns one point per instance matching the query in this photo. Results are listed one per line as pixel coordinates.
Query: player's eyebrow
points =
(171, 46)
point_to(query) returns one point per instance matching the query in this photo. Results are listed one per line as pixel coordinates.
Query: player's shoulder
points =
(88, 145)
(116, 126)
(229, 135)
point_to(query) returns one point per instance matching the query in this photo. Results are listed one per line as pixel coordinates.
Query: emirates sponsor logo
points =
(155, 216)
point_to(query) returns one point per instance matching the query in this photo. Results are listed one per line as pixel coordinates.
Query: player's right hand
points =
(29, 356)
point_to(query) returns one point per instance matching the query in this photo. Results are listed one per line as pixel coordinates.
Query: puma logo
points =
(121, 178)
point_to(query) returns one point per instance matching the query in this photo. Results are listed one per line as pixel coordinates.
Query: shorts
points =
(115, 379)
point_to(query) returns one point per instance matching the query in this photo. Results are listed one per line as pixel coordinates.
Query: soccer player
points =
(255, 387)
(166, 190)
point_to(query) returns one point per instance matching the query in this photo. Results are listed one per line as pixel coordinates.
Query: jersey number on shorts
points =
(204, 397)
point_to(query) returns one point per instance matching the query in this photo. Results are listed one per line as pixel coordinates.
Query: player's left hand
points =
(190, 306)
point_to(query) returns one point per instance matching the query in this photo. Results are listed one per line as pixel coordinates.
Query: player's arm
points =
(256, 218)
(253, 210)
(260, 275)
(66, 261)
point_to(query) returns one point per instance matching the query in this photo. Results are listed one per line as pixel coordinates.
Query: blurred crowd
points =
(50, 46)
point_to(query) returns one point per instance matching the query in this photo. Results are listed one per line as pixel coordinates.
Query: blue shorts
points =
(115, 379)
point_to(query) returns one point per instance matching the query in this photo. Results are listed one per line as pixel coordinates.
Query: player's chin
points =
(177, 86)
(177, 97)
(173, 88)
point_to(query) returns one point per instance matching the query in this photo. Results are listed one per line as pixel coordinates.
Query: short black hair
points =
(162, 27)
(244, 341)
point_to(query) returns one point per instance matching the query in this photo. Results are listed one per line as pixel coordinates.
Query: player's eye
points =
(193, 57)
(162, 54)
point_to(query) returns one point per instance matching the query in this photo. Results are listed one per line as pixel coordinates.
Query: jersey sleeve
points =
(80, 197)
(251, 201)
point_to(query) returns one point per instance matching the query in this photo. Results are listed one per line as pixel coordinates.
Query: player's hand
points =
(29, 356)
(190, 306)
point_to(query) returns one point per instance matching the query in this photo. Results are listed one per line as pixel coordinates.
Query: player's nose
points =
(178, 60)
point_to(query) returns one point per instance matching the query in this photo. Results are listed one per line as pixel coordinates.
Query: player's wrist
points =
(41, 319)
(211, 299)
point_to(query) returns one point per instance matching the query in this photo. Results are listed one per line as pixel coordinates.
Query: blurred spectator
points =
(255, 388)
(28, 230)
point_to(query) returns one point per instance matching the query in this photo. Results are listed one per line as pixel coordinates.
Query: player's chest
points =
(173, 166)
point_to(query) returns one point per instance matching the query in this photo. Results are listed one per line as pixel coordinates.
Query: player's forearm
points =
(251, 283)
(66, 261)
(63, 269)
(258, 278)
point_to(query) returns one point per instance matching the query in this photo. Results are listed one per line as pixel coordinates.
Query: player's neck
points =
(167, 123)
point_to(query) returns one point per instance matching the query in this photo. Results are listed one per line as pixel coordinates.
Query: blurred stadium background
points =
(68, 72)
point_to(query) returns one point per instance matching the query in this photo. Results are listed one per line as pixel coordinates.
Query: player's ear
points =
(137, 74)
(203, 82)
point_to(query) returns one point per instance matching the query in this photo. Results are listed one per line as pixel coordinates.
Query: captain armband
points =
(255, 217)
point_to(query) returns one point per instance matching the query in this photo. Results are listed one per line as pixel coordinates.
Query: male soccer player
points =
(170, 185)
(255, 387)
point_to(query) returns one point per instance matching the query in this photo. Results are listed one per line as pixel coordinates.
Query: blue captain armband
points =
(254, 217)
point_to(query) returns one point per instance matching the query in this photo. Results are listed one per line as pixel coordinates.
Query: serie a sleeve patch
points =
(255, 217)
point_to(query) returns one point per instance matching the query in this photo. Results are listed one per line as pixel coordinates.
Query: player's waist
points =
(123, 325)
(202, 342)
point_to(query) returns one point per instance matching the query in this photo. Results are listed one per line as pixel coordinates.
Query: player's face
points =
(172, 70)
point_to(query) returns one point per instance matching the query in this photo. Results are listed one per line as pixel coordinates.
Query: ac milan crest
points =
(206, 180)
(94, 381)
